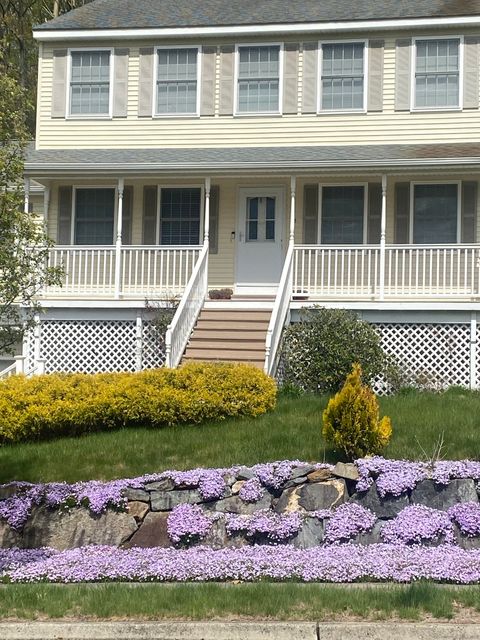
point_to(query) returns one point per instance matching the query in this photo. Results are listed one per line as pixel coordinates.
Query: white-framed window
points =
(435, 213)
(180, 215)
(342, 76)
(343, 214)
(90, 82)
(437, 73)
(258, 82)
(93, 220)
(260, 219)
(177, 81)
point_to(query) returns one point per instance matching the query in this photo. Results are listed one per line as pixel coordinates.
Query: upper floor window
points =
(177, 81)
(437, 73)
(342, 76)
(90, 75)
(258, 88)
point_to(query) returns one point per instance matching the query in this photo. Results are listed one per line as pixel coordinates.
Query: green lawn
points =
(292, 431)
(243, 601)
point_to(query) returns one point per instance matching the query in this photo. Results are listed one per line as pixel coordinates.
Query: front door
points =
(259, 240)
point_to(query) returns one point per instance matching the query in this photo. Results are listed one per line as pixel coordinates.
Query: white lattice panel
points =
(88, 346)
(431, 355)
(153, 355)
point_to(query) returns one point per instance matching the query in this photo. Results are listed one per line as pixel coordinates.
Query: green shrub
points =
(72, 404)
(351, 421)
(319, 351)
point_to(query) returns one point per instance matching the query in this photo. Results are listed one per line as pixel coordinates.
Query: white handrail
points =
(8, 372)
(279, 315)
(186, 315)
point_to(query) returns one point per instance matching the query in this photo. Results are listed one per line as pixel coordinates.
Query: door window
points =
(260, 219)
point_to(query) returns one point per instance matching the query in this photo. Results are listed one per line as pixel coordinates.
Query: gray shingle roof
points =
(135, 14)
(221, 160)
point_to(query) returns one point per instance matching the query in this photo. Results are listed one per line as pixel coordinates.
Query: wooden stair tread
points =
(224, 354)
(235, 315)
(229, 334)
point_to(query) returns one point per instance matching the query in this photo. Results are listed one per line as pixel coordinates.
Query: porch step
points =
(236, 335)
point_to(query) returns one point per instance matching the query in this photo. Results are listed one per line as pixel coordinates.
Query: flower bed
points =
(333, 563)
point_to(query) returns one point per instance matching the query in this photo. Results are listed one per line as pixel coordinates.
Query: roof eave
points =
(44, 34)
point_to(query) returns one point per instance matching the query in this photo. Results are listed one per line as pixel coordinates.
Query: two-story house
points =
(297, 152)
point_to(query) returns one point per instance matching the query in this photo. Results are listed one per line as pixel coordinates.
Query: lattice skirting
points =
(429, 355)
(92, 346)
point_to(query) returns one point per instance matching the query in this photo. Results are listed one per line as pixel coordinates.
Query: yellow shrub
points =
(61, 404)
(351, 420)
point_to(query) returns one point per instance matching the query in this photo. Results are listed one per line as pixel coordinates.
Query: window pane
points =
(270, 219)
(258, 79)
(94, 216)
(435, 213)
(177, 81)
(437, 73)
(342, 215)
(180, 216)
(342, 76)
(90, 83)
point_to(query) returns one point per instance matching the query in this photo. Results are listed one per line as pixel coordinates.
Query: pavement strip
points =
(236, 631)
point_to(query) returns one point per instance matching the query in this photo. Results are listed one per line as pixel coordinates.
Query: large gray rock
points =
(76, 528)
(138, 495)
(167, 500)
(301, 471)
(388, 507)
(234, 504)
(370, 537)
(152, 532)
(347, 470)
(310, 535)
(442, 497)
(166, 484)
(322, 495)
(218, 538)
(8, 536)
(312, 496)
(138, 510)
(245, 473)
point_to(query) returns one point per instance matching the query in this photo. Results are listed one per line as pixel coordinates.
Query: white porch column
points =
(118, 243)
(206, 226)
(46, 207)
(26, 202)
(139, 342)
(293, 196)
(383, 228)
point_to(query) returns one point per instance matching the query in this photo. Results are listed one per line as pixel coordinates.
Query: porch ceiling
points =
(225, 160)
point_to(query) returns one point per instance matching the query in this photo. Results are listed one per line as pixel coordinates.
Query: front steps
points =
(229, 335)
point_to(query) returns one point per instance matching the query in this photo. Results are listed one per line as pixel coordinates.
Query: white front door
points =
(259, 238)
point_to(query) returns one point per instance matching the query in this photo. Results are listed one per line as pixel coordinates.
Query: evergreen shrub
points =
(73, 404)
(318, 351)
(351, 421)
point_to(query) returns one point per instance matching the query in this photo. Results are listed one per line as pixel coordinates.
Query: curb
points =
(235, 631)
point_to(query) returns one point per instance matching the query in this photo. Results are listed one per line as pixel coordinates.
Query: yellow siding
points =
(344, 129)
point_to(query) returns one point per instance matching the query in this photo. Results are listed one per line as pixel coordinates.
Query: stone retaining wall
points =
(298, 510)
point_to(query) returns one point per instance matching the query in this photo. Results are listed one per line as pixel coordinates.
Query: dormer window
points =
(437, 73)
(258, 79)
(177, 81)
(342, 76)
(90, 80)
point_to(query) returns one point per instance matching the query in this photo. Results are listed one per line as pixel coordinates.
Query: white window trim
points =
(89, 116)
(192, 114)
(362, 109)
(74, 212)
(458, 184)
(249, 114)
(365, 210)
(413, 61)
(159, 206)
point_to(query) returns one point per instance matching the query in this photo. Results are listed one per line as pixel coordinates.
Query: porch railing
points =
(279, 315)
(144, 270)
(188, 311)
(410, 271)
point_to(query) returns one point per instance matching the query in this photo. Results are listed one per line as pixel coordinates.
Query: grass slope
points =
(292, 431)
(242, 601)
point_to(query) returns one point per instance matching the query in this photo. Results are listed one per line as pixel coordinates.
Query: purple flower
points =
(252, 490)
(347, 521)
(273, 527)
(393, 477)
(467, 516)
(416, 524)
(188, 523)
